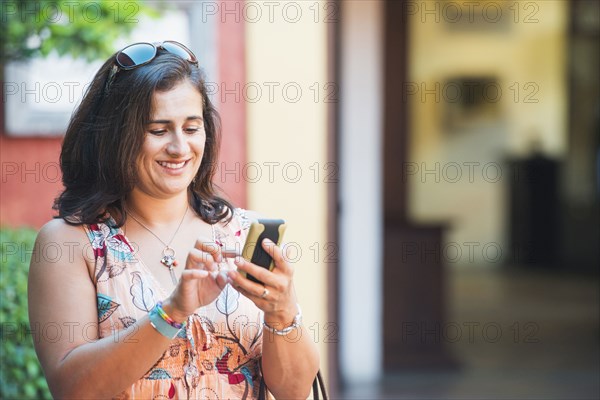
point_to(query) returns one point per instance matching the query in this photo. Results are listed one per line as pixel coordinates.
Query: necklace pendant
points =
(168, 261)
(173, 277)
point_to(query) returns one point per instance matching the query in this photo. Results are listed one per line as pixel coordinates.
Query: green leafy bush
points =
(85, 29)
(21, 376)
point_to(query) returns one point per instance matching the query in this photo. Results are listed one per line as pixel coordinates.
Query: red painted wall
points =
(232, 71)
(30, 180)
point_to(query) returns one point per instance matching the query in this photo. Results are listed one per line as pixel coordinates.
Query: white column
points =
(361, 125)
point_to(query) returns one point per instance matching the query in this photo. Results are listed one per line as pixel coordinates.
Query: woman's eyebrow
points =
(167, 121)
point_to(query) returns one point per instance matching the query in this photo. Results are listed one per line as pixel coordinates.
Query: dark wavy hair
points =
(106, 133)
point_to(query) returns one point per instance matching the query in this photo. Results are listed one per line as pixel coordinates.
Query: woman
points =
(144, 300)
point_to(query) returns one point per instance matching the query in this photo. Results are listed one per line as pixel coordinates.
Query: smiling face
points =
(174, 142)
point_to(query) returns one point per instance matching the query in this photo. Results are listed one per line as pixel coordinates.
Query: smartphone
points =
(253, 251)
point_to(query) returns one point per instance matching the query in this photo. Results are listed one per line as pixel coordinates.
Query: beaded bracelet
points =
(164, 324)
(295, 324)
(166, 317)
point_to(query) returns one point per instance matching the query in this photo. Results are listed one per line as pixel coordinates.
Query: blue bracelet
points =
(162, 326)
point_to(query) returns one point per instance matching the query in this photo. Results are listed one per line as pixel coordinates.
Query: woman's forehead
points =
(183, 99)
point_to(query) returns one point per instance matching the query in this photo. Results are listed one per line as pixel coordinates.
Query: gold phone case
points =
(253, 251)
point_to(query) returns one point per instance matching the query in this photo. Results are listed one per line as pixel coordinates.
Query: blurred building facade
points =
(460, 127)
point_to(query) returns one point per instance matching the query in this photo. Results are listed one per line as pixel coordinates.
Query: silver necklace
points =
(168, 258)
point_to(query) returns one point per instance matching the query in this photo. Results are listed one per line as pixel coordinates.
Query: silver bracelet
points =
(295, 324)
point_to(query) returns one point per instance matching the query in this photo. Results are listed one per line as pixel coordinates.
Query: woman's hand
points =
(276, 297)
(283, 375)
(200, 282)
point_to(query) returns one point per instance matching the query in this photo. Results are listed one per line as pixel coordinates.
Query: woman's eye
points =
(193, 129)
(157, 131)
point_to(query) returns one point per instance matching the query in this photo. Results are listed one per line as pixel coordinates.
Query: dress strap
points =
(109, 244)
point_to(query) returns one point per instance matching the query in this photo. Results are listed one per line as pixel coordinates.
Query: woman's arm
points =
(289, 363)
(63, 314)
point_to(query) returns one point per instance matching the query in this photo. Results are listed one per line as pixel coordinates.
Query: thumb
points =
(222, 280)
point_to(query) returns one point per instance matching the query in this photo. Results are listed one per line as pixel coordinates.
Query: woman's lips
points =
(174, 166)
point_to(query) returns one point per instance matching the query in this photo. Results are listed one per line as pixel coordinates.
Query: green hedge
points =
(21, 376)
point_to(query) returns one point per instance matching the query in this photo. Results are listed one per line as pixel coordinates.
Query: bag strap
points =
(319, 379)
(262, 388)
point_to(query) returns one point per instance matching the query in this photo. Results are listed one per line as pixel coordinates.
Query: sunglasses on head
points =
(138, 54)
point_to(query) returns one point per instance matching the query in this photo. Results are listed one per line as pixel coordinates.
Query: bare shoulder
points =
(57, 227)
(60, 243)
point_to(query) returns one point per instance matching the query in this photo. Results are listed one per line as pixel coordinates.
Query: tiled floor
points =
(516, 335)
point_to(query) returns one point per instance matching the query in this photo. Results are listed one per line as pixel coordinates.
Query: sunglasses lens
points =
(179, 50)
(136, 54)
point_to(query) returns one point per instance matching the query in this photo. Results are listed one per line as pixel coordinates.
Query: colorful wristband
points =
(164, 324)
(166, 317)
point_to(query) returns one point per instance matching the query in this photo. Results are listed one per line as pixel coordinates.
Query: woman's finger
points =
(277, 255)
(260, 273)
(200, 259)
(210, 247)
(193, 274)
(222, 279)
(246, 286)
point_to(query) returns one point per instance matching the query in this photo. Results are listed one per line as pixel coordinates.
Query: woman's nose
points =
(178, 144)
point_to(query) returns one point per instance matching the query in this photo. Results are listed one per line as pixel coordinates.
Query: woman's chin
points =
(166, 190)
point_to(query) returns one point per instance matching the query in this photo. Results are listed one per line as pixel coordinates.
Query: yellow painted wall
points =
(530, 51)
(290, 129)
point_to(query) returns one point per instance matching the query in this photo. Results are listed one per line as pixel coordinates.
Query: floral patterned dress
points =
(215, 357)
